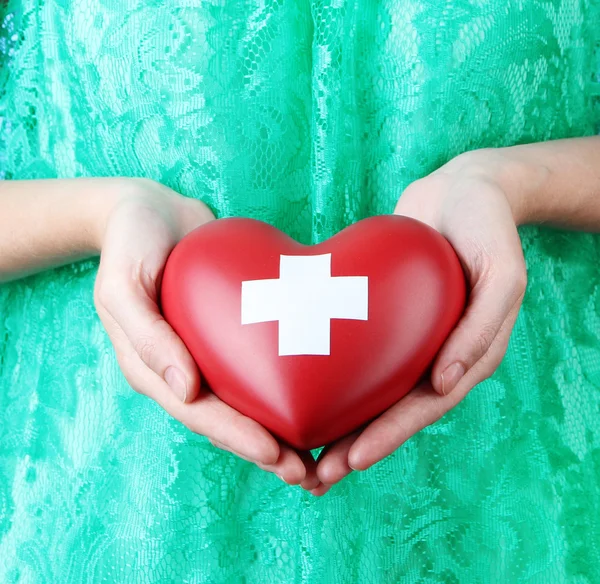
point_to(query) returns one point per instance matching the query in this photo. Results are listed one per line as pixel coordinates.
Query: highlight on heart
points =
(313, 341)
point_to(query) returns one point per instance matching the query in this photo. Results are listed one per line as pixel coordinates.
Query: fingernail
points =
(354, 468)
(278, 475)
(451, 376)
(314, 491)
(176, 381)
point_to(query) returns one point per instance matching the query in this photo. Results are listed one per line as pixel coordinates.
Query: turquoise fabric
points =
(309, 115)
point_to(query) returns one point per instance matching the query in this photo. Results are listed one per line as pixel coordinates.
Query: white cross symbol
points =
(304, 300)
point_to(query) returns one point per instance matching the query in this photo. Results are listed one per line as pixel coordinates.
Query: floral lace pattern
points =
(308, 114)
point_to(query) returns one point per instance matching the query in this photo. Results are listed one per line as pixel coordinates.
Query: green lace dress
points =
(309, 115)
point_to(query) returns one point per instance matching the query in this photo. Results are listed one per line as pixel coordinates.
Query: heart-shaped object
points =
(313, 341)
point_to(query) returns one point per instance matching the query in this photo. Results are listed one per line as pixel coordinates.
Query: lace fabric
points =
(309, 115)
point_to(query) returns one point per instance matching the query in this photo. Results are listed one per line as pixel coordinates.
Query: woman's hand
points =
(475, 201)
(140, 231)
(474, 213)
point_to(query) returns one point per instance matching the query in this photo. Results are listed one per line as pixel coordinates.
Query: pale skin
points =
(476, 201)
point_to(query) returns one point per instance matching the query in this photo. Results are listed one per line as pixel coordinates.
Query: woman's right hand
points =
(142, 228)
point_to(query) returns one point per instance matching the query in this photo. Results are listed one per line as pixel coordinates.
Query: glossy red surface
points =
(416, 295)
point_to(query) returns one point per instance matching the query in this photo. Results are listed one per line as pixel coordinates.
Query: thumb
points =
(493, 302)
(152, 338)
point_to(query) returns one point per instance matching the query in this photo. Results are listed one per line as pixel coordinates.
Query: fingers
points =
(486, 366)
(320, 490)
(494, 296)
(211, 417)
(289, 467)
(222, 446)
(293, 467)
(207, 415)
(421, 407)
(159, 348)
(332, 464)
(142, 230)
(311, 480)
(146, 361)
(364, 447)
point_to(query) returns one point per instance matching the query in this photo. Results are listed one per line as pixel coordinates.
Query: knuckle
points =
(422, 419)
(125, 281)
(111, 290)
(507, 282)
(412, 189)
(511, 274)
(481, 265)
(519, 279)
(145, 278)
(429, 414)
(145, 347)
(104, 293)
(484, 339)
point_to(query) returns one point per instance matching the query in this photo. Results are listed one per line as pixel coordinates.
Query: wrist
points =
(104, 196)
(520, 180)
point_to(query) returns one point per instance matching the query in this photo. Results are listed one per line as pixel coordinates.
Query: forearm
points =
(46, 223)
(556, 182)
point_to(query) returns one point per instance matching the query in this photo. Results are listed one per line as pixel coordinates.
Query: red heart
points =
(414, 289)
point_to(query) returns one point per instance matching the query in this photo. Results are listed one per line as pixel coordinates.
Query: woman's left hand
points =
(472, 210)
